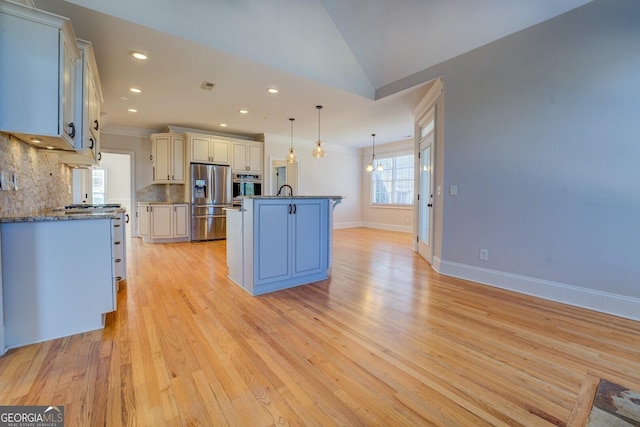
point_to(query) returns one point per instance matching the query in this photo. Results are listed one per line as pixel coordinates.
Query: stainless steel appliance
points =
(211, 192)
(246, 185)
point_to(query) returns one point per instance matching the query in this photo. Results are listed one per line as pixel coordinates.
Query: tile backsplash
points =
(42, 181)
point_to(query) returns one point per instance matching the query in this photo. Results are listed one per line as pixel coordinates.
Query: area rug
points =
(614, 406)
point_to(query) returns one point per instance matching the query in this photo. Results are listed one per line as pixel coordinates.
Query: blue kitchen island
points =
(277, 242)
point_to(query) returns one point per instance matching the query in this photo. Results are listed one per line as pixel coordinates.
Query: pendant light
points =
(372, 165)
(291, 158)
(318, 152)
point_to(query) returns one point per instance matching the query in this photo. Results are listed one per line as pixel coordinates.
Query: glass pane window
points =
(99, 186)
(394, 184)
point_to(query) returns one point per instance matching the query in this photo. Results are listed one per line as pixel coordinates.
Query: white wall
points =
(541, 138)
(387, 217)
(337, 174)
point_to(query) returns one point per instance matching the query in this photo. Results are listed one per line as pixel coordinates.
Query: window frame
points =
(394, 158)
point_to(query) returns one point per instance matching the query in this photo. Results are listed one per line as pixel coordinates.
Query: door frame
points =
(133, 219)
(431, 106)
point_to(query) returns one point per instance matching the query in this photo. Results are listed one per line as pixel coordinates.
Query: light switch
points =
(453, 190)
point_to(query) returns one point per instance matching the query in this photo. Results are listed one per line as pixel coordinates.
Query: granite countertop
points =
(61, 215)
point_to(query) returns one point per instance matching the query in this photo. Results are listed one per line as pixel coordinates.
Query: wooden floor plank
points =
(384, 341)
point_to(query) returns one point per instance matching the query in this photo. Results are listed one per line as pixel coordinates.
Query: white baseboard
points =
(617, 305)
(337, 225)
(389, 227)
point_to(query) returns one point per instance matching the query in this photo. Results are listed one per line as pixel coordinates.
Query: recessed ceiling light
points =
(135, 90)
(132, 110)
(138, 55)
(224, 125)
(243, 111)
(272, 90)
(124, 98)
(49, 148)
(36, 140)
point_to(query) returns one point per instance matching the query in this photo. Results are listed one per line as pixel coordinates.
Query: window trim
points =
(393, 156)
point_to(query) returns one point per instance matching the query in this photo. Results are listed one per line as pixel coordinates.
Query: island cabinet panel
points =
(273, 237)
(58, 278)
(277, 243)
(310, 237)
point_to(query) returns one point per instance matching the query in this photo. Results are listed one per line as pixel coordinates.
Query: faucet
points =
(290, 190)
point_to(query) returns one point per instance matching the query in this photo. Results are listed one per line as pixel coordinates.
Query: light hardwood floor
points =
(385, 341)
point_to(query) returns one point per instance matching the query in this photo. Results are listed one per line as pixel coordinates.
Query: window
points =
(394, 184)
(98, 190)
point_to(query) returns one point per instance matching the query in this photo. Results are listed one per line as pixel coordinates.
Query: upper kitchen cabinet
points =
(38, 54)
(88, 101)
(209, 149)
(247, 156)
(167, 155)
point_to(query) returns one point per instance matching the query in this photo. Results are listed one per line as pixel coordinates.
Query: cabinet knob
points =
(116, 243)
(91, 143)
(118, 260)
(96, 126)
(126, 217)
(72, 133)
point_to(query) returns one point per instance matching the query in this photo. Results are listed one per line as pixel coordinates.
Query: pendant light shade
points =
(318, 152)
(291, 158)
(372, 165)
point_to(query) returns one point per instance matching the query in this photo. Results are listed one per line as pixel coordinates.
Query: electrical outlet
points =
(484, 254)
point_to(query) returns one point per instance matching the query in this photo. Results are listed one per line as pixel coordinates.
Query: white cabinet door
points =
(180, 220)
(144, 220)
(71, 126)
(161, 221)
(177, 159)
(254, 158)
(167, 153)
(220, 151)
(161, 149)
(37, 69)
(208, 149)
(247, 157)
(239, 157)
(200, 150)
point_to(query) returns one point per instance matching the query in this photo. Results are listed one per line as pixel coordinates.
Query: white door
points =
(425, 203)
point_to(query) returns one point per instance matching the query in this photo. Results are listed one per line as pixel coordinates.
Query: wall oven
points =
(246, 185)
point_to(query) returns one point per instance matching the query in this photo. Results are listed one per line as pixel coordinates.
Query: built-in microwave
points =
(246, 185)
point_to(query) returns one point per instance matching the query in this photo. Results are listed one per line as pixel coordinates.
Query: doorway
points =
(113, 181)
(425, 199)
(428, 137)
(283, 173)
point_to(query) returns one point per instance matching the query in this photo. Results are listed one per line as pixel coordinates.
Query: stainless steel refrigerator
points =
(211, 192)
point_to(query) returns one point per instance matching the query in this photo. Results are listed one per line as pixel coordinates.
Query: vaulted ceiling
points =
(341, 54)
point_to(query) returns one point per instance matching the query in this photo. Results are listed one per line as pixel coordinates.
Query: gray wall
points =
(542, 138)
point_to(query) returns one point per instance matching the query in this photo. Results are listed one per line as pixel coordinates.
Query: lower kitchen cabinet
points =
(119, 245)
(163, 222)
(58, 278)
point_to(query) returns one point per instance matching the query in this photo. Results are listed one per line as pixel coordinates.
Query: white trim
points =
(128, 131)
(351, 224)
(617, 305)
(388, 227)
